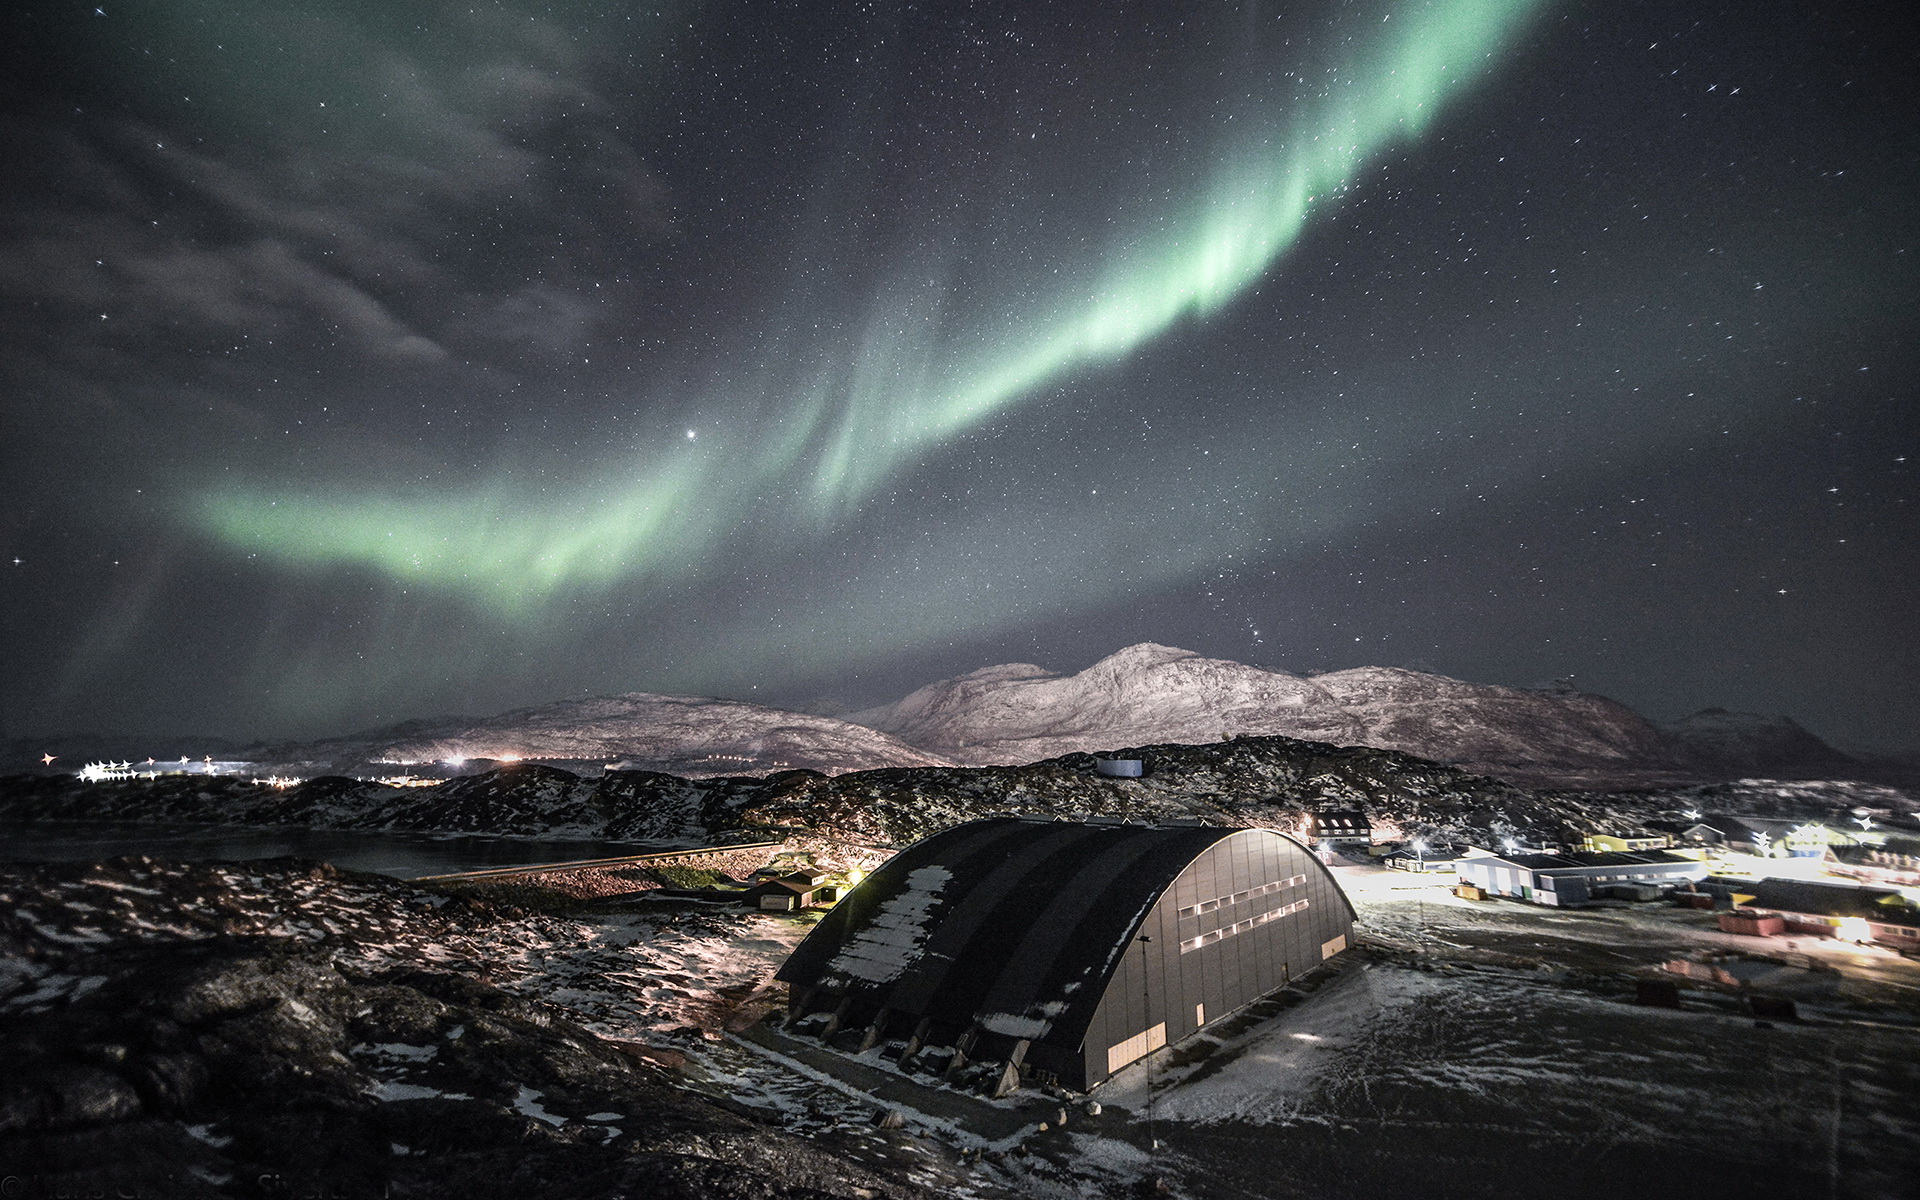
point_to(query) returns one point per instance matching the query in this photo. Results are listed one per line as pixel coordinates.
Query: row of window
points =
(1239, 927)
(1265, 889)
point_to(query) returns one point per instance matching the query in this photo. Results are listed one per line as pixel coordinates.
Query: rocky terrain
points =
(684, 735)
(284, 1028)
(690, 736)
(1018, 713)
(1548, 737)
(1245, 781)
(1271, 781)
(1747, 744)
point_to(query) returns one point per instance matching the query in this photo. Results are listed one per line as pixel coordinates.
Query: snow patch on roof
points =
(881, 951)
(1034, 1023)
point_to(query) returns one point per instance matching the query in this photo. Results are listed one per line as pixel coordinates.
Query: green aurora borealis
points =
(365, 362)
(900, 394)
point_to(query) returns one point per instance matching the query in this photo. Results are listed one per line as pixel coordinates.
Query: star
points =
(46, 760)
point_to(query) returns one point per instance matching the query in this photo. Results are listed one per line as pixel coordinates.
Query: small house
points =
(792, 892)
(1769, 837)
(1437, 859)
(1347, 827)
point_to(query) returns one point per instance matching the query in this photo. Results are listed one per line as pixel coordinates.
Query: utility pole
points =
(1146, 1002)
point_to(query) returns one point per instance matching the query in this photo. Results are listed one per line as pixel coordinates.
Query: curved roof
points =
(1012, 924)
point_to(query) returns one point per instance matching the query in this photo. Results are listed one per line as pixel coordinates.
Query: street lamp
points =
(1420, 893)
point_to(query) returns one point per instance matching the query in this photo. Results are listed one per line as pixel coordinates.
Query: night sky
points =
(375, 360)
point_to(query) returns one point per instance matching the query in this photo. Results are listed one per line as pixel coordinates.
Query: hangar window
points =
(1239, 927)
(1253, 893)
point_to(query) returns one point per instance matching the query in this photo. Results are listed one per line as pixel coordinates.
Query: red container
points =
(1752, 924)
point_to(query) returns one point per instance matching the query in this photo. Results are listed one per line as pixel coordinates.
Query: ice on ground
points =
(528, 1104)
(205, 1133)
(404, 1052)
(391, 1089)
(1270, 1072)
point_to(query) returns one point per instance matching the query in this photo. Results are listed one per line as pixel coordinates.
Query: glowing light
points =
(901, 387)
(1853, 929)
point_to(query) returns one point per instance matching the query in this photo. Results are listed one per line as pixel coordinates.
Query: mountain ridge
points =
(1148, 692)
(1015, 713)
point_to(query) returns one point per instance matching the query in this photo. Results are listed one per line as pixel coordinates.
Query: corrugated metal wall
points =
(1261, 949)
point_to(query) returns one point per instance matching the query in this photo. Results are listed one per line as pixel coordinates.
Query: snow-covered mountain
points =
(1149, 693)
(1750, 744)
(691, 736)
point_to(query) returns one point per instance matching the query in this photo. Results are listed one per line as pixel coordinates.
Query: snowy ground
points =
(1465, 1049)
(1491, 1049)
(1480, 1048)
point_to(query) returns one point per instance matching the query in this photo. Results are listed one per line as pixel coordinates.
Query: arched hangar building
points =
(1064, 949)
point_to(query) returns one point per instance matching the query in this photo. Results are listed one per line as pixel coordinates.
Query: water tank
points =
(1120, 768)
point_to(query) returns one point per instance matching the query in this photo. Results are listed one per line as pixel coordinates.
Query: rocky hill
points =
(1272, 781)
(1738, 744)
(1020, 713)
(279, 1027)
(1150, 693)
(686, 735)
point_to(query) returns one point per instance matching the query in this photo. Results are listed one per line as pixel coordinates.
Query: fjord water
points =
(403, 854)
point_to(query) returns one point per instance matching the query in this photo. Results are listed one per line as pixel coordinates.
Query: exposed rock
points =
(1270, 781)
(1149, 694)
(687, 735)
(150, 1050)
(1747, 744)
(1018, 713)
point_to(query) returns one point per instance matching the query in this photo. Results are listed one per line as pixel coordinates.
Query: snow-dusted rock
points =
(1494, 728)
(686, 735)
(1750, 744)
(1144, 694)
(1150, 693)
